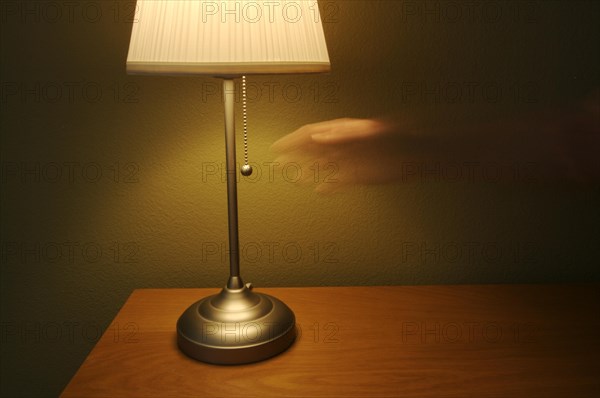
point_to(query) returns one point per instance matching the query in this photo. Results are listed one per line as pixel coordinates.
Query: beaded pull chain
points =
(246, 168)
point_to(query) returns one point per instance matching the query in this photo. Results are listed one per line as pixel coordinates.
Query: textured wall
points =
(75, 244)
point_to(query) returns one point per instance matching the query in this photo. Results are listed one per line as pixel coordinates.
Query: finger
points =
(302, 136)
(349, 131)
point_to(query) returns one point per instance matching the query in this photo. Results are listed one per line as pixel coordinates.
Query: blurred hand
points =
(554, 144)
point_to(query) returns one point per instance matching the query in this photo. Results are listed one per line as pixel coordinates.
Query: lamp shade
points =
(227, 37)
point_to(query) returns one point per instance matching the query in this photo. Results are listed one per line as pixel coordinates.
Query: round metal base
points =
(236, 326)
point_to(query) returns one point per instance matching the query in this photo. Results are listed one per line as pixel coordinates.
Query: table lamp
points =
(228, 40)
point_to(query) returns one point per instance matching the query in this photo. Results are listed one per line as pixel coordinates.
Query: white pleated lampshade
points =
(227, 37)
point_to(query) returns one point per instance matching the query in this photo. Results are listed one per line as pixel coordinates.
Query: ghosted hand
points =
(554, 144)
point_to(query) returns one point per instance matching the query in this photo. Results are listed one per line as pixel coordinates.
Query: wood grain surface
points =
(406, 341)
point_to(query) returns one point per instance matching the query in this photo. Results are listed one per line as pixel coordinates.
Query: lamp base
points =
(236, 326)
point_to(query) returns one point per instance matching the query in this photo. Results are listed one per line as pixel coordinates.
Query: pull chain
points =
(246, 168)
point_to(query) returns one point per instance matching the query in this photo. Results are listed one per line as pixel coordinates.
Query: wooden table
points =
(406, 341)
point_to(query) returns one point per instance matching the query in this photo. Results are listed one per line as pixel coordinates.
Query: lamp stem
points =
(236, 302)
(235, 282)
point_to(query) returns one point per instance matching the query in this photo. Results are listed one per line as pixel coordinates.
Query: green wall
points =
(75, 243)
